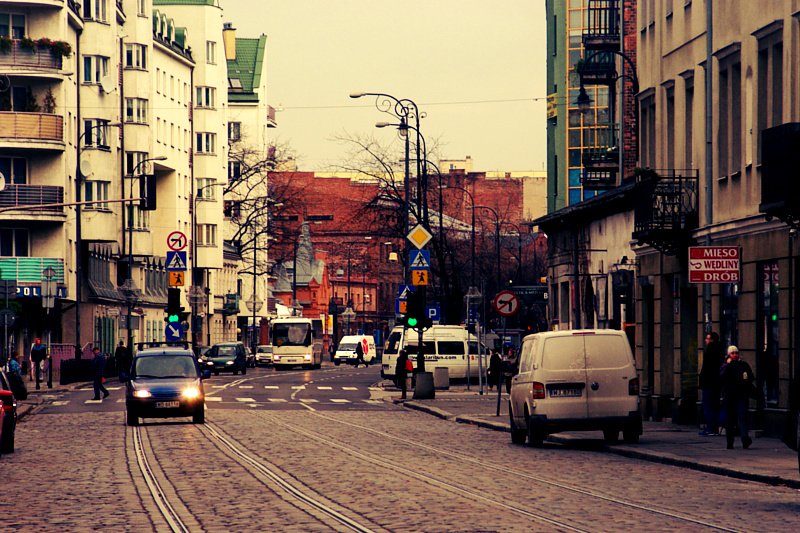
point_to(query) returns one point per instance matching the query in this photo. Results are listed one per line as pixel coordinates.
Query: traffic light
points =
(174, 309)
(416, 316)
(147, 192)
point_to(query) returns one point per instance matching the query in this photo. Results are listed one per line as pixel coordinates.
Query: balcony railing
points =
(36, 57)
(603, 28)
(601, 159)
(29, 269)
(25, 195)
(598, 68)
(31, 126)
(666, 208)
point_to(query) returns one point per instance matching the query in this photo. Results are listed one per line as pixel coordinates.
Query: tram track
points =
(477, 462)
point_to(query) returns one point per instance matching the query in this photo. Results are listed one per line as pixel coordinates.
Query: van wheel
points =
(517, 435)
(199, 416)
(611, 435)
(630, 434)
(130, 418)
(336, 362)
(535, 435)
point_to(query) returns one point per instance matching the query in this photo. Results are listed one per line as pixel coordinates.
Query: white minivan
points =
(346, 351)
(575, 380)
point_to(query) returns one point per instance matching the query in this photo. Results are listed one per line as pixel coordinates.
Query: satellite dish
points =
(85, 168)
(107, 85)
(2, 181)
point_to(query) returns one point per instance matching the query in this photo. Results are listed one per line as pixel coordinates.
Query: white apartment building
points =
(247, 200)
(104, 90)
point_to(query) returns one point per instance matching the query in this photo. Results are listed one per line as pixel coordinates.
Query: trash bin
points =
(441, 378)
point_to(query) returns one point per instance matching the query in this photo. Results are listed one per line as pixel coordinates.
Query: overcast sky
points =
(475, 67)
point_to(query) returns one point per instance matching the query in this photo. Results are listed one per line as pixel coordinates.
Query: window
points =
(565, 303)
(141, 8)
(235, 84)
(136, 110)
(95, 68)
(12, 25)
(96, 191)
(137, 218)
(14, 242)
(158, 80)
(770, 82)
(206, 96)
(670, 110)
(206, 188)
(211, 52)
(688, 156)
(95, 132)
(767, 358)
(206, 143)
(206, 234)
(729, 141)
(95, 10)
(133, 162)
(136, 56)
(15, 169)
(647, 131)
(234, 131)
(172, 87)
(234, 171)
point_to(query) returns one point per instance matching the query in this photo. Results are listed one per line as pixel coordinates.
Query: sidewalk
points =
(767, 461)
(37, 397)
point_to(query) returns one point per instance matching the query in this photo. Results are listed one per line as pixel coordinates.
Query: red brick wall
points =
(630, 145)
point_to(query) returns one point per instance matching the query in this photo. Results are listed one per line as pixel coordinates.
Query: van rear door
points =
(563, 374)
(609, 367)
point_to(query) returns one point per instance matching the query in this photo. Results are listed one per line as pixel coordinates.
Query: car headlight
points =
(210, 363)
(229, 363)
(307, 357)
(142, 393)
(276, 357)
(191, 393)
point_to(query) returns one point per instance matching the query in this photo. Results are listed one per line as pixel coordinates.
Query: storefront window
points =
(729, 314)
(767, 355)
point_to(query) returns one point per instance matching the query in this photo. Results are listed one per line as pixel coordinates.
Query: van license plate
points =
(565, 393)
(167, 405)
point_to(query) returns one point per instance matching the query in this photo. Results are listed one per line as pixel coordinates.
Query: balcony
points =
(598, 68)
(29, 269)
(665, 209)
(601, 160)
(19, 57)
(23, 129)
(603, 27)
(22, 196)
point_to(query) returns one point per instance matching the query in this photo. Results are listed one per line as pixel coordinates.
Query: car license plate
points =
(167, 405)
(565, 393)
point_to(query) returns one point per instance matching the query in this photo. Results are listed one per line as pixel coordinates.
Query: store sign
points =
(36, 292)
(714, 264)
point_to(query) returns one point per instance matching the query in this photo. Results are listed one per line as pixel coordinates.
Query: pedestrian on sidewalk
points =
(710, 383)
(737, 386)
(359, 354)
(509, 368)
(400, 372)
(99, 367)
(38, 355)
(495, 369)
(124, 361)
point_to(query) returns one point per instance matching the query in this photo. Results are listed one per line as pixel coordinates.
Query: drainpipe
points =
(78, 243)
(709, 181)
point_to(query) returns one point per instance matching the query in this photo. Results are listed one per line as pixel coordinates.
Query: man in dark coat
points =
(709, 383)
(400, 373)
(359, 354)
(124, 360)
(99, 367)
(38, 355)
(737, 384)
(495, 369)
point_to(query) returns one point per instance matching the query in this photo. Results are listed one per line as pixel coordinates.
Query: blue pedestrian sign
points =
(173, 331)
(176, 261)
(419, 260)
(403, 291)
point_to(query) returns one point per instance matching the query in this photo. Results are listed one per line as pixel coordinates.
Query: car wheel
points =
(611, 435)
(199, 416)
(630, 434)
(336, 362)
(216, 372)
(244, 370)
(517, 435)
(8, 441)
(235, 372)
(130, 418)
(535, 434)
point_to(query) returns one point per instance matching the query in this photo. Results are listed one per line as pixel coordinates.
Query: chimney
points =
(229, 40)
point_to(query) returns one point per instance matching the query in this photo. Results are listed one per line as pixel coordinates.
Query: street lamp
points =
(78, 244)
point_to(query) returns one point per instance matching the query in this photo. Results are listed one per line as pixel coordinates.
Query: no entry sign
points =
(714, 264)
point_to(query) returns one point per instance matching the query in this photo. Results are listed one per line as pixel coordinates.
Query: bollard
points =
(441, 378)
(423, 390)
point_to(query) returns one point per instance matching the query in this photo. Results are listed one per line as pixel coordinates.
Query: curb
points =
(621, 451)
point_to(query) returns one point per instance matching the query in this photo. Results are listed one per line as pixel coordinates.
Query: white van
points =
(443, 346)
(575, 380)
(346, 351)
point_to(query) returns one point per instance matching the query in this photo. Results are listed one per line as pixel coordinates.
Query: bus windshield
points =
(291, 335)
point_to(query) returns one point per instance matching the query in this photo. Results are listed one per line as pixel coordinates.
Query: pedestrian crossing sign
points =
(176, 261)
(420, 260)
(420, 277)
